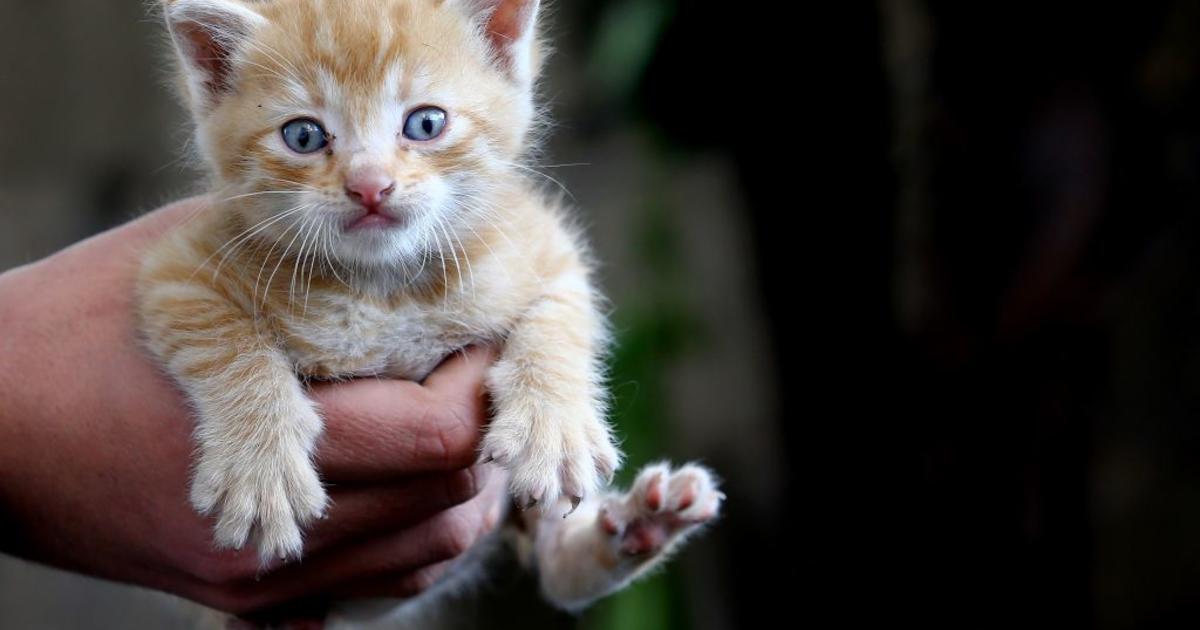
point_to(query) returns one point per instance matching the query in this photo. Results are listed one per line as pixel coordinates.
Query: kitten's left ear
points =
(511, 31)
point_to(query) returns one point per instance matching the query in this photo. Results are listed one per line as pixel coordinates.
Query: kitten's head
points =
(375, 126)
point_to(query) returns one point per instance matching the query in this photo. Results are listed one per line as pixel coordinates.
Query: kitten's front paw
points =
(551, 458)
(661, 509)
(272, 497)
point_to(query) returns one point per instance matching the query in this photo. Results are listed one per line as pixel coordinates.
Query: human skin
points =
(95, 451)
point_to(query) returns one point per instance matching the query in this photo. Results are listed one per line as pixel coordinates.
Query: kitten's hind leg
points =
(609, 542)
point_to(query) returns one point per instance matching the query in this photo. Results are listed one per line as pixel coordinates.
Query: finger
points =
(385, 429)
(358, 513)
(439, 539)
(313, 611)
(405, 585)
(462, 374)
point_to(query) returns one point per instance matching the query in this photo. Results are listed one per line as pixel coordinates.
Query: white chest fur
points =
(340, 335)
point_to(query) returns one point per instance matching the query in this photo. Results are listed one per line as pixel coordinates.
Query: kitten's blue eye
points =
(304, 135)
(426, 123)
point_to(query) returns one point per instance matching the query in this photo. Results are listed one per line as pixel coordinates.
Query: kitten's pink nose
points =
(369, 187)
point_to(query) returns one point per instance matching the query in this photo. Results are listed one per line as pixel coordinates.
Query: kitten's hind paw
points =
(661, 509)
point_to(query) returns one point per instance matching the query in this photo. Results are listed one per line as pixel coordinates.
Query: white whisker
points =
(262, 192)
(300, 184)
(449, 244)
(282, 257)
(236, 241)
(541, 174)
(325, 248)
(442, 257)
(467, 259)
(261, 268)
(312, 265)
(299, 266)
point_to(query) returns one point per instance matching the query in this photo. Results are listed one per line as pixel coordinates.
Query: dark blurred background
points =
(1008, 314)
(916, 277)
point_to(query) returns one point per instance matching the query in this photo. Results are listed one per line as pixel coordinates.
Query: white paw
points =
(270, 497)
(661, 508)
(551, 454)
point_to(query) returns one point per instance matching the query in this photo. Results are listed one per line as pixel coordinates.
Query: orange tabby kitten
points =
(371, 215)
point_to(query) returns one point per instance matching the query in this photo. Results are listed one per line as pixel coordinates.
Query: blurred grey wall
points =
(92, 138)
(91, 130)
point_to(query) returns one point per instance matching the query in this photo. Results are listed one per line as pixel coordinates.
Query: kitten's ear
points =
(207, 35)
(511, 29)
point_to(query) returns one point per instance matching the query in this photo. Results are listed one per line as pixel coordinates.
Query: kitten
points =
(370, 216)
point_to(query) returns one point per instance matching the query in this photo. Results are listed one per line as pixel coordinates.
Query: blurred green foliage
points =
(625, 41)
(654, 327)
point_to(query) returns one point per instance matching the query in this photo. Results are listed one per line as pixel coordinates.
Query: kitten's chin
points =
(373, 241)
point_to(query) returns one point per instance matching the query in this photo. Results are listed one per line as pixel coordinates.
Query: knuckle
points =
(430, 442)
(453, 437)
(457, 450)
(455, 537)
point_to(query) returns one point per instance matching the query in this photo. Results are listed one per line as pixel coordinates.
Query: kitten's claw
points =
(575, 501)
(564, 460)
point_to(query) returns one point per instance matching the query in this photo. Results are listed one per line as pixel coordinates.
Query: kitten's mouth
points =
(376, 219)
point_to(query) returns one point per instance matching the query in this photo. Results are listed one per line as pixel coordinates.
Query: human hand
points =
(95, 451)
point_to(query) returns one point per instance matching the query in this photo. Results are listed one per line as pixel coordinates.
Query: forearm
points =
(67, 346)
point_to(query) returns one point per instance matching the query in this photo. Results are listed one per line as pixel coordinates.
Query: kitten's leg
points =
(548, 428)
(255, 427)
(610, 542)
